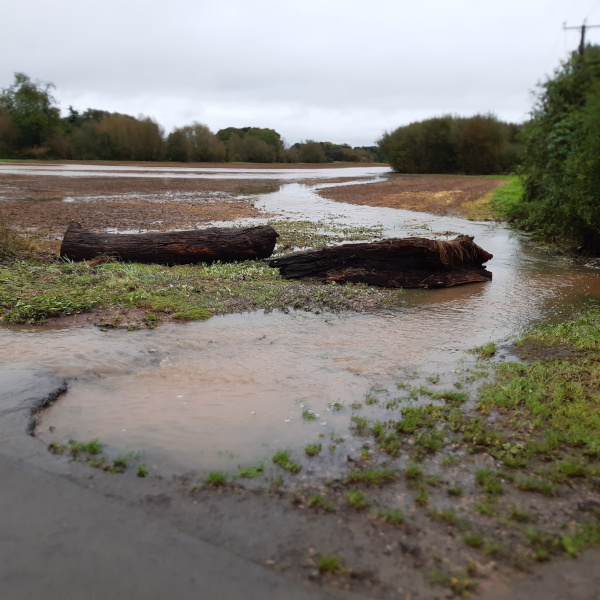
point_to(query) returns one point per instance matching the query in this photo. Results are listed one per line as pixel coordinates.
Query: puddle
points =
(231, 390)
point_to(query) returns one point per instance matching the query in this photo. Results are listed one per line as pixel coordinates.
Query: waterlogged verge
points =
(497, 472)
(34, 291)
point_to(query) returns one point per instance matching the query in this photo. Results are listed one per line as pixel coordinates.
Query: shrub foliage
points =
(561, 167)
(477, 145)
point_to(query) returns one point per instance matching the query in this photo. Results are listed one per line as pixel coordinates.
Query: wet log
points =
(171, 248)
(395, 263)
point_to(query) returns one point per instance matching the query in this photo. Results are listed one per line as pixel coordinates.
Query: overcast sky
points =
(330, 70)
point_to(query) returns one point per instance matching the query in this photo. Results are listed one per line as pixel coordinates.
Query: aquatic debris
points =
(394, 263)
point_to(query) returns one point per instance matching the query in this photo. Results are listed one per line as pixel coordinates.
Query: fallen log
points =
(171, 248)
(395, 263)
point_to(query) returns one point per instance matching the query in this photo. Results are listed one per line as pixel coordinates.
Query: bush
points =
(561, 167)
(478, 145)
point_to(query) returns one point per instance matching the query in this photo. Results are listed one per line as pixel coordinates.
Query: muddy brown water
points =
(231, 390)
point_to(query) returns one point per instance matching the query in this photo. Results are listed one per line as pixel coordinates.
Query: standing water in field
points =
(234, 389)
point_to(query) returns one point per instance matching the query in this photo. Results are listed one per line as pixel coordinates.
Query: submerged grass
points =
(32, 291)
(299, 235)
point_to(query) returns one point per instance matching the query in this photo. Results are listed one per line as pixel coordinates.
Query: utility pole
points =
(582, 42)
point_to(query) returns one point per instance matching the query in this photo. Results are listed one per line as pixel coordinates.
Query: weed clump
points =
(313, 449)
(282, 458)
(10, 241)
(356, 499)
(252, 471)
(317, 501)
(216, 479)
(371, 476)
(330, 564)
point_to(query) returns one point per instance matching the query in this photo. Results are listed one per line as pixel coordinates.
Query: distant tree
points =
(9, 135)
(101, 135)
(311, 152)
(178, 148)
(480, 141)
(475, 145)
(252, 144)
(225, 134)
(195, 142)
(33, 113)
(290, 155)
(250, 149)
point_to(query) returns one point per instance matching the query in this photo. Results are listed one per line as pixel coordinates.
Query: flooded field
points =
(231, 390)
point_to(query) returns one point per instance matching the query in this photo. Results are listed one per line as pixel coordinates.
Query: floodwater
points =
(231, 390)
(75, 170)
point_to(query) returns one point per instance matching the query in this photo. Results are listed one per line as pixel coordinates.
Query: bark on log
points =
(395, 263)
(171, 248)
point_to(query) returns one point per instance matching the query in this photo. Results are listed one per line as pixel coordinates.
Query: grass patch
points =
(330, 564)
(356, 499)
(536, 484)
(520, 515)
(11, 243)
(455, 490)
(191, 314)
(252, 472)
(474, 539)
(309, 415)
(506, 198)
(34, 291)
(430, 441)
(93, 453)
(371, 476)
(489, 481)
(393, 517)
(446, 515)
(282, 458)
(416, 417)
(449, 396)
(413, 472)
(359, 425)
(318, 501)
(556, 399)
(92, 448)
(313, 449)
(296, 235)
(216, 479)
(485, 506)
(421, 497)
(588, 535)
(486, 351)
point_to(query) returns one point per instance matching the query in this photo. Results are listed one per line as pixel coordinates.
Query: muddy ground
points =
(275, 525)
(437, 194)
(98, 203)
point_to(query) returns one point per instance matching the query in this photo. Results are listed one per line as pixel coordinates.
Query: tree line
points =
(478, 145)
(31, 126)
